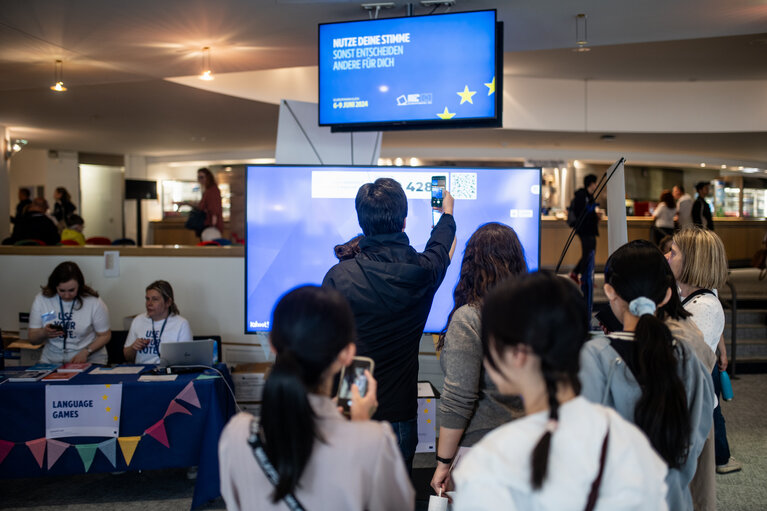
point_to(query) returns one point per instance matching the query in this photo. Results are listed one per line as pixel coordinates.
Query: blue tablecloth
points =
(193, 438)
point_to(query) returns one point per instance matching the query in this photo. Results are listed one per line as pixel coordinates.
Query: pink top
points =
(211, 205)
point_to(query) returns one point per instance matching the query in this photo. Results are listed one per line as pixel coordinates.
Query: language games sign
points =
(82, 410)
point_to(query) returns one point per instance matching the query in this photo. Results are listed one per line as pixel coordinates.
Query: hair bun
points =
(641, 306)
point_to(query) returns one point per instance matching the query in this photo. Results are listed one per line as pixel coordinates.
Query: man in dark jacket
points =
(701, 213)
(390, 287)
(35, 224)
(588, 230)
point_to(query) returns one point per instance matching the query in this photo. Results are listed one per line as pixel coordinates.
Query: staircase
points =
(751, 334)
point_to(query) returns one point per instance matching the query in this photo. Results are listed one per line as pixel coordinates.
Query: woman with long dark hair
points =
(318, 459)
(70, 319)
(566, 453)
(644, 373)
(470, 405)
(63, 206)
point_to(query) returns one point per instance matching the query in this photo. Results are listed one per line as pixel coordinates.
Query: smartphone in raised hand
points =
(438, 186)
(354, 374)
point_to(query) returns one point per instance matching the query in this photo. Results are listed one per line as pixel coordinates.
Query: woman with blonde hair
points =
(699, 263)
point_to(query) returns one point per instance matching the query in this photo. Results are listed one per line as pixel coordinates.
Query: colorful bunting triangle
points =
(55, 450)
(109, 449)
(128, 446)
(87, 452)
(157, 431)
(189, 395)
(38, 450)
(176, 408)
(5, 448)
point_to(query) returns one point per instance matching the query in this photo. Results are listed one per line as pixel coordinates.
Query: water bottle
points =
(727, 393)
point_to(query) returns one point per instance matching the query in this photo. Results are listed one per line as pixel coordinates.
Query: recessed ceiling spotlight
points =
(702, 164)
(724, 166)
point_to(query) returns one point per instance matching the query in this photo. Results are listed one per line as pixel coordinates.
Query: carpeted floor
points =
(166, 490)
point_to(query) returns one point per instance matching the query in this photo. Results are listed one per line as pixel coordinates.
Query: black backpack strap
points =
(594, 493)
(701, 291)
(269, 471)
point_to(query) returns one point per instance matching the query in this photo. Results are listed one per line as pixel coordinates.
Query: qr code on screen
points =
(463, 185)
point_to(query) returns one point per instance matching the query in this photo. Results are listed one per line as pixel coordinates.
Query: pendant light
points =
(58, 76)
(206, 72)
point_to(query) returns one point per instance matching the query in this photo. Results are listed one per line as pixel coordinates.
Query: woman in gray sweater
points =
(471, 405)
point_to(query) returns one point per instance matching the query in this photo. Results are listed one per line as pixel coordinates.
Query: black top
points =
(20, 209)
(36, 226)
(701, 211)
(628, 351)
(390, 288)
(62, 210)
(584, 201)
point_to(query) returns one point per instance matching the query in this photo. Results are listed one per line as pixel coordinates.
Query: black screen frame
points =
(422, 124)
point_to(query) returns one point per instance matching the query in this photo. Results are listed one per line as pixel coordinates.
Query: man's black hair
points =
(700, 185)
(381, 207)
(588, 180)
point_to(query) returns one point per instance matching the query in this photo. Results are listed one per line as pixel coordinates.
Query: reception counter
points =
(741, 238)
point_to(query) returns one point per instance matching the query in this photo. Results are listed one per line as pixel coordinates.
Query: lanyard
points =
(64, 321)
(158, 338)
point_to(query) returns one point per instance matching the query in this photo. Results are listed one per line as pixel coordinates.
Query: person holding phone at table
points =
(302, 453)
(70, 319)
(160, 323)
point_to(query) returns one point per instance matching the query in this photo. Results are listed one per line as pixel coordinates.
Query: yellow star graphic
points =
(104, 396)
(446, 115)
(115, 417)
(108, 385)
(109, 409)
(466, 95)
(490, 87)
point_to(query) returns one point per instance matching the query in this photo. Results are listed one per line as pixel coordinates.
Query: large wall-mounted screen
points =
(434, 71)
(297, 214)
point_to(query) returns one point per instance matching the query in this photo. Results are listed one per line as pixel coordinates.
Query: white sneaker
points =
(732, 465)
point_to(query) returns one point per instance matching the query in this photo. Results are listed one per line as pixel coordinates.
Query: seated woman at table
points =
(160, 323)
(317, 457)
(70, 319)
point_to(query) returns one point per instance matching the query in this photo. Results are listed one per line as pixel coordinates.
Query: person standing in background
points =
(588, 229)
(63, 207)
(35, 224)
(663, 217)
(701, 213)
(24, 201)
(683, 206)
(210, 204)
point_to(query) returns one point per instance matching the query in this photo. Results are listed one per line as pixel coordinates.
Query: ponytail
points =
(310, 327)
(540, 457)
(287, 423)
(661, 411)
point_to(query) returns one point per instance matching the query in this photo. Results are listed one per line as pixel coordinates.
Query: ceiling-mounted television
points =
(295, 215)
(436, 71)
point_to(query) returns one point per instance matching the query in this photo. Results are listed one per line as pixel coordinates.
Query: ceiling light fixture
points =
(58, 76)
(581, 33)
(206, 72)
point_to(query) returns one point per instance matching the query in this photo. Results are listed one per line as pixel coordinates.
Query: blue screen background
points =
(290, 235)
(446, 53)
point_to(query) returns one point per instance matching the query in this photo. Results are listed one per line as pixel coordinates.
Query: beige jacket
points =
(359, 466)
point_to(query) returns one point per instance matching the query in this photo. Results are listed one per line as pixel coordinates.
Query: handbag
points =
(196, 221)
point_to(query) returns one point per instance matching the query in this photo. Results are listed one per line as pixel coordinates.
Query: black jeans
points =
(588, 245)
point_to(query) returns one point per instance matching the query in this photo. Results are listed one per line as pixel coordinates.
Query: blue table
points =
(193, 438)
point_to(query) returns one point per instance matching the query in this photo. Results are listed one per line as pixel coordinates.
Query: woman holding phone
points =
(161, 322)
(70, 319)
(566, 453)
(302, 453)
(470, 405)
